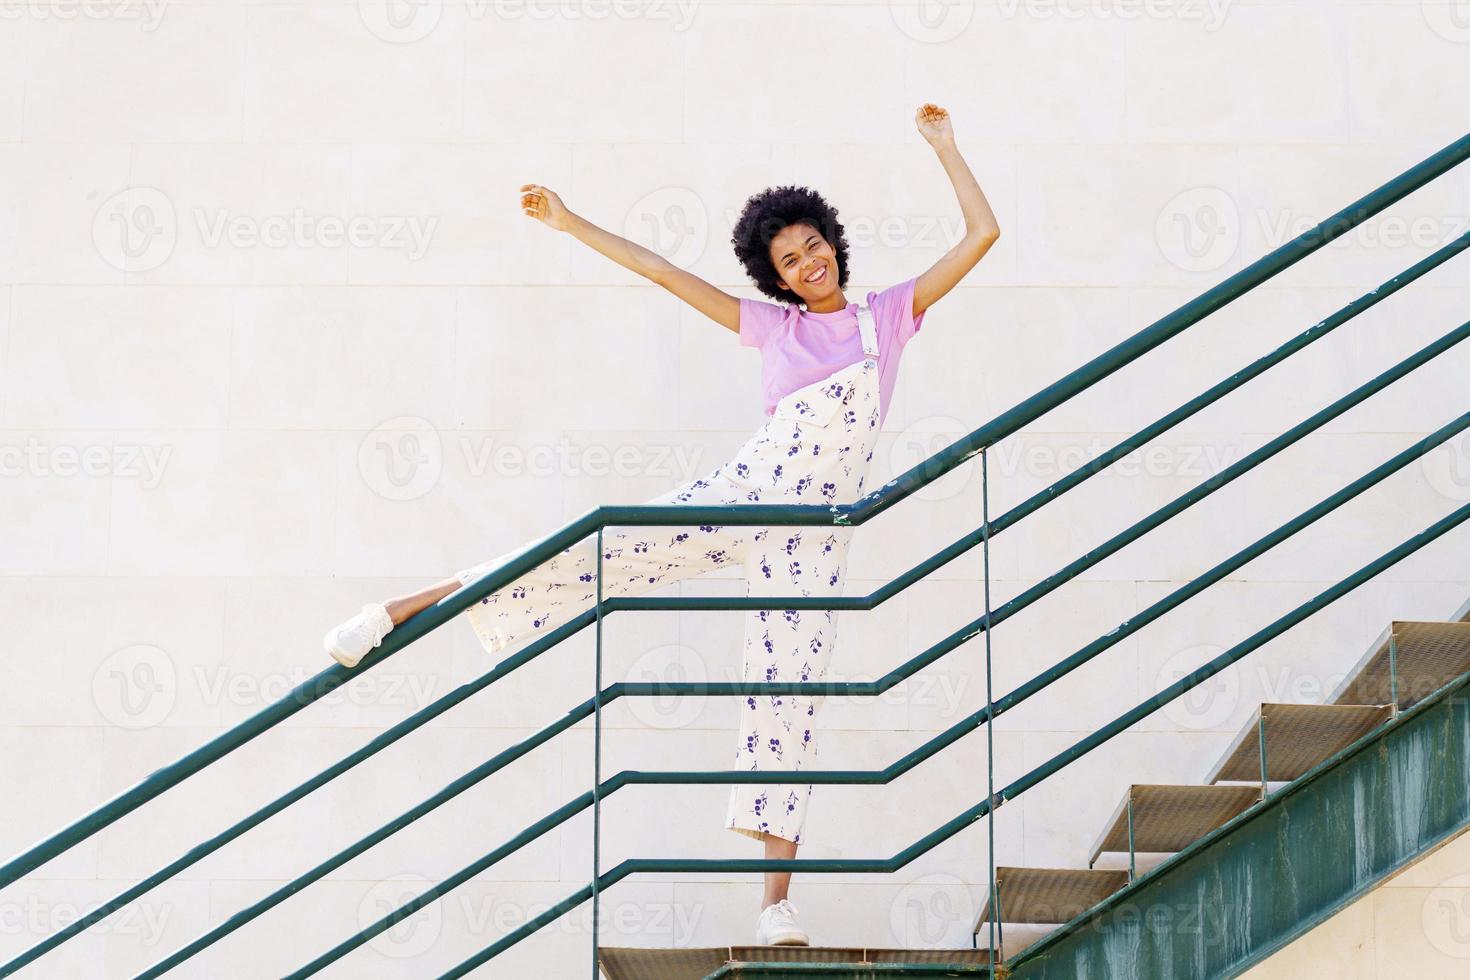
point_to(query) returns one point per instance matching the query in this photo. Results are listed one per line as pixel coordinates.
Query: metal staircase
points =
(1421, 673)
(1289, 740)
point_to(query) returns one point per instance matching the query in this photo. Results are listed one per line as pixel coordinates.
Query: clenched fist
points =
(542, 203)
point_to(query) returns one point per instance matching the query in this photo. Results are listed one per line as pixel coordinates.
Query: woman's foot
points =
(354, 639)
(777, 926)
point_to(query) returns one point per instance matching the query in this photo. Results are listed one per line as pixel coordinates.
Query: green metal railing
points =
(977, 442)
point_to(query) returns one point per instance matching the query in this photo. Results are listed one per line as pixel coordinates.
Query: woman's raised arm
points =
(543, 204)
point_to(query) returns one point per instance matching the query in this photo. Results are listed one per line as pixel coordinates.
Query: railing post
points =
(995, 936)
(597, 766)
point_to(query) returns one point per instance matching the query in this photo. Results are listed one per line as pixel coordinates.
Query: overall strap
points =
(869, 331)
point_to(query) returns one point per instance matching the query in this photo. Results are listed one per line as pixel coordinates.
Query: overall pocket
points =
(817, 403)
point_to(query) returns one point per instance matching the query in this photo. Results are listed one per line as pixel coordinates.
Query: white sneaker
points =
(354, 639)
(777, 926)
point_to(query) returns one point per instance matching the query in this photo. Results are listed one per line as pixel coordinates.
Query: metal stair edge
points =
(1046, 958)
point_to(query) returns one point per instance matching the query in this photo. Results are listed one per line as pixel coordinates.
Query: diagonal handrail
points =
(972, 814)
(857, 513)
(869, 506)
(920, 754)
(587, 708)
(872, 688)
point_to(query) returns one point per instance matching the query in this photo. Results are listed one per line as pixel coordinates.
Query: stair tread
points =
(644, 963)
(1427, 656)
(1168, 818)
(1298, 737)
(1049, 896)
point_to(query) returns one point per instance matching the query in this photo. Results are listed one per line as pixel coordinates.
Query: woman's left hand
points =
(933, 124)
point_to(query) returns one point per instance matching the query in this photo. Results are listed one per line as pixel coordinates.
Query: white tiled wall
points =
(275, 340)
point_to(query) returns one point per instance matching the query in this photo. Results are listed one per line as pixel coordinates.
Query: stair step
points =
(1048, 896)
(1297, 737)
(1426, 657)
(636, 963)
(1170, 818)
(1462, 615)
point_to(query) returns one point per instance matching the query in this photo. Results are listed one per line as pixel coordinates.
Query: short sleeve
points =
(758, 320)
(893, 308)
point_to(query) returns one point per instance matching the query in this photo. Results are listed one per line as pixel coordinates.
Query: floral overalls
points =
(814, 449)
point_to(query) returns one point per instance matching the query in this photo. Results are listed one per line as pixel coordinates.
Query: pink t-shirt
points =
(799, 347)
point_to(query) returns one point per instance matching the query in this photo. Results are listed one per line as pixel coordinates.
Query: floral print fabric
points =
(814, 449)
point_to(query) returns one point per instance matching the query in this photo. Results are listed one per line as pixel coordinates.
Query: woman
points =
(828, 368)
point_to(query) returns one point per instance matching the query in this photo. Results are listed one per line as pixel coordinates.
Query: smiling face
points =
(806, 263)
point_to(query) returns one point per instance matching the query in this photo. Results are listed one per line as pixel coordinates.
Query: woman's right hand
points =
(543, 203)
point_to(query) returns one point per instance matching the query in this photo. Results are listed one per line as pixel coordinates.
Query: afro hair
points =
(762, 219)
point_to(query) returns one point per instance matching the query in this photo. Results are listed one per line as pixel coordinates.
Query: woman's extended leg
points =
(401, 607)
(636, 559)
